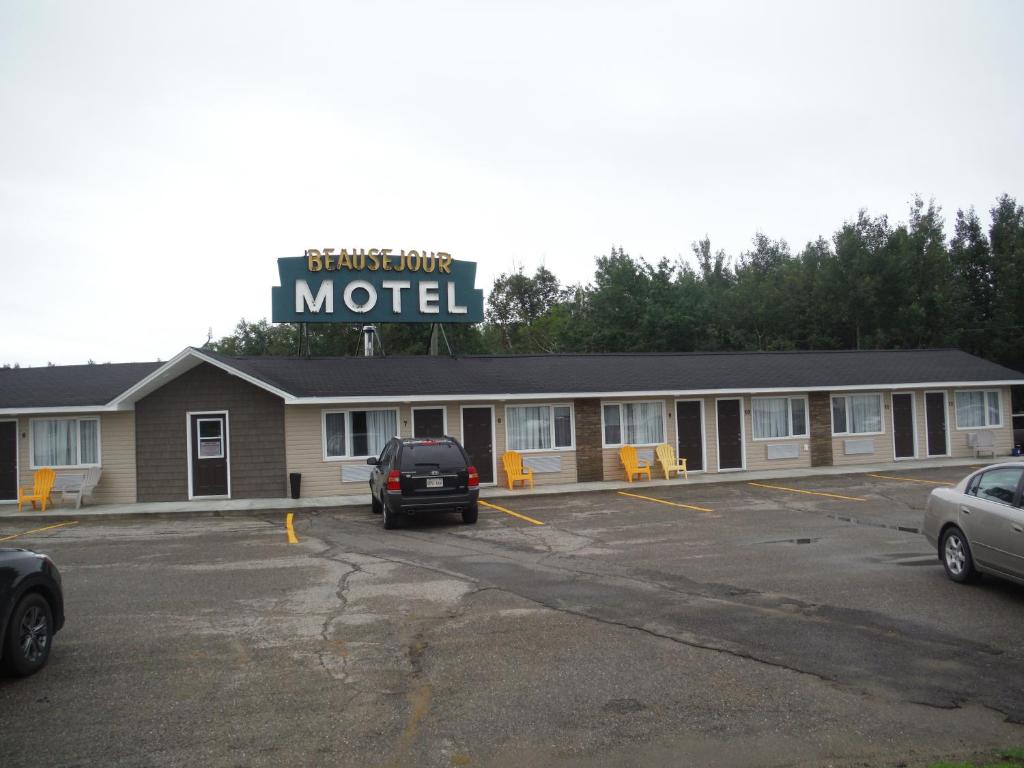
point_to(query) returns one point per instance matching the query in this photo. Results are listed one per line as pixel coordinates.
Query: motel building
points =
(206, 426)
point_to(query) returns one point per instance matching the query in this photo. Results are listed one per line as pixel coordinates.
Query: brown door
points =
(903, 426)
(8, 460)
(209, 435)
(935, 418)
(478, 440)
(691, 434)
(428, 422)
(730, 434)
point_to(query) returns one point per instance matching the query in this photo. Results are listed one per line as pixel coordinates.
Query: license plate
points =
(435, 482)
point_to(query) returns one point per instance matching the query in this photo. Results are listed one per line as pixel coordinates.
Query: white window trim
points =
(956, 411)
(846, 396)
(412, 416)
(348, 432)
(622, 426)
(789, 413)
(552, 449)
(225, 436)
(220, 437)
(78, 447)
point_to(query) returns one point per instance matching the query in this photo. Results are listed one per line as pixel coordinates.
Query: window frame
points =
(553, 448)
(789, 413)
(78, 442)
(349, 456)
(412, 417)
(622, 424)
(986, 425)
(971, 488)
(846, 396)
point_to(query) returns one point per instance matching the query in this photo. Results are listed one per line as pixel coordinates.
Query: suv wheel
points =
(375, 505)
(29, 636)
(390, 518)
(469, 515)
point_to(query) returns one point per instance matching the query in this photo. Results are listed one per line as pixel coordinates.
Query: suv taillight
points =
(474, 477)
(394, 480)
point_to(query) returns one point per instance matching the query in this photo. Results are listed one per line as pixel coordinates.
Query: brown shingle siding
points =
(255, 434)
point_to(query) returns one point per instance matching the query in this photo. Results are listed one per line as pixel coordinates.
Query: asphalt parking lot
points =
(797, 623)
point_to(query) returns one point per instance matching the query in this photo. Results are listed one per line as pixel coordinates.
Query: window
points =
(978, 408)
(538, 427)
(997, 485)
(65, 442)
(357, 434)
(775, 417)
(211, 438)
(857, 415)
(634, 423)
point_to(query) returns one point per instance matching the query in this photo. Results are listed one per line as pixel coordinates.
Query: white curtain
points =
(381, 426)
(529, 427)
(89, 432)
(865, 413)
(54, 443)
(993, 408)
(770, 416)
(970, 409)
(334, 426)
(643, 423)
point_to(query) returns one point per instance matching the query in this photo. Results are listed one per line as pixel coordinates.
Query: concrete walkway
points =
(236, 507)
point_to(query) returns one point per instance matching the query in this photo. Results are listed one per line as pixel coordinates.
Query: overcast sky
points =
(157, 158)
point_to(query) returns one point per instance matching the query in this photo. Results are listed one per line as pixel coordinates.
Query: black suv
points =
(413, 476)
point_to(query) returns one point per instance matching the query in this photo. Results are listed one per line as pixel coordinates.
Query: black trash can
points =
(295, 478)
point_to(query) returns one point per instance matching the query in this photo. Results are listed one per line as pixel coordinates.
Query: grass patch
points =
(1006, 758)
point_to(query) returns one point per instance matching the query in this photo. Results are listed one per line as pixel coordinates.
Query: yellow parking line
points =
(809, 493)
(911, 479)
(510, 512)
(663, 501)
(292, 538)
(38, 530)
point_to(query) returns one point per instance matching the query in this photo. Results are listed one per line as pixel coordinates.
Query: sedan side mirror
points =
(372, 460)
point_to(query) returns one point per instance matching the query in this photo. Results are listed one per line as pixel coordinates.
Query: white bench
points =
(77, 484)
(982, 442)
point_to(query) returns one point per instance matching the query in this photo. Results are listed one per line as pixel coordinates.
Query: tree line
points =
(874, 284)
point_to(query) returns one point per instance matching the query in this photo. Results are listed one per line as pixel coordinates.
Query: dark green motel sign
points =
(376, 285)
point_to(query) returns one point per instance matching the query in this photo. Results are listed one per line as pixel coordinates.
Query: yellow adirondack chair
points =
(633, 464)
(515, 471)
(43, 483)
(669, 463)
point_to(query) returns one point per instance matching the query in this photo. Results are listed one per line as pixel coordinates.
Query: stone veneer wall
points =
(820, 405)
(589, 460)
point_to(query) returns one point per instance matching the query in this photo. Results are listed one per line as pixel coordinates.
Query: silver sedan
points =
(978, 524)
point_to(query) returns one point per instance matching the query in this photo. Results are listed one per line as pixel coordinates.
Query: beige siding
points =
(757, 450)
(613, 469)
(117, 456)
(1003, 436)
(568, 458)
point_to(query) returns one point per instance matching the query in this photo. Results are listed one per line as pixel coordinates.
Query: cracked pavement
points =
(781, 630)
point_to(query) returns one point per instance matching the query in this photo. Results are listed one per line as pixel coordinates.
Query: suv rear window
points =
(445, 457)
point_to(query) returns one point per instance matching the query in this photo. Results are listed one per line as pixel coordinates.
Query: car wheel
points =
(29, 636)
(375, 505)
(390, 518)
(469, 515)
(956, 556)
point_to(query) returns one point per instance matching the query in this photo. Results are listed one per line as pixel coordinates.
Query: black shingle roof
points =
(80, 385)
(579, 373)
(69, 385)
